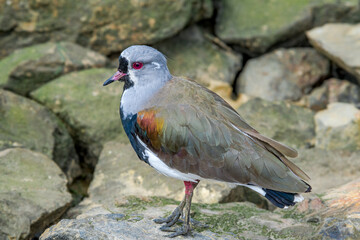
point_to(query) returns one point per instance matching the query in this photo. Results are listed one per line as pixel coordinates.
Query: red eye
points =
(137, 65)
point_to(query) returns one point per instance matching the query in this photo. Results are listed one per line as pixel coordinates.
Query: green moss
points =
(231, 218)
(292, 213)
(261, 23)
(8, 64)
(133, 203)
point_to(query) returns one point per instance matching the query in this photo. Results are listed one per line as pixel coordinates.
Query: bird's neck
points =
(135, 98)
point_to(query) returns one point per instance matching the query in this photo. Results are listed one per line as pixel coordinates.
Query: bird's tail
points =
(282, 199)
(279, 199)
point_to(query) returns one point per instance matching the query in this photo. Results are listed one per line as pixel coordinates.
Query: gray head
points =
(141, 65)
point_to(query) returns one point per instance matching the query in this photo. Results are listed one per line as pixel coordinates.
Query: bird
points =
(185, 131)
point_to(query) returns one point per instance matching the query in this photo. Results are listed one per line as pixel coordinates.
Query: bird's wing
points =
(198, 132)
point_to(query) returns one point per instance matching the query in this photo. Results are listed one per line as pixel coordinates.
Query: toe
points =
(160, 220)
(185, 229)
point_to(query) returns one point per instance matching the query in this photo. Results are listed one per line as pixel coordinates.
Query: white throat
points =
(133, 99)
(136, 97)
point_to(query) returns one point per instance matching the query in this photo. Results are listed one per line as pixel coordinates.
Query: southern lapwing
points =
(188, 132)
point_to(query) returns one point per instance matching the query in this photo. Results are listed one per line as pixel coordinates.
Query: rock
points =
(247, 24)
(284, 122)
(339, 43)
(120, 173)
(282, 74)
(341, 215)
(33, 193)
(192, 54)
(328, 168)
(337, 127)
(105, 26)
(89, 109)
(26, 124)
(29, 68)
(332, 90)
(133, 220)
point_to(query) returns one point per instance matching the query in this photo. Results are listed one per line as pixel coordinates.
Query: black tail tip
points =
(309, 188)
(280, 199)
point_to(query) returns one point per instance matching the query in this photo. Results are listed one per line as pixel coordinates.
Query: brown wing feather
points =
(287, 151)
(199, 136)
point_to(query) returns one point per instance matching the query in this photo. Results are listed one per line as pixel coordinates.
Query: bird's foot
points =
(177, 231)
(170, 220)
(173, 218)
(195, 224)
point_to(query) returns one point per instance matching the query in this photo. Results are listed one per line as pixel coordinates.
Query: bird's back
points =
(195, 131)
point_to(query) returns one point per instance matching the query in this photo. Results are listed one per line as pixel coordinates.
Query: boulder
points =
(337, 127)
(194, 55)
(256, 26)
(133, 217)
(29, 68)
(33, 193)
(332, 90)
(326, 167)
(339, 43)
(341, 217)
(26, 124)
(105, 26)
(90, 110)
(284, 122)
(284, 74)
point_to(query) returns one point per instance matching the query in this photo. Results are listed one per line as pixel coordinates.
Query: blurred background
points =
(290, 68)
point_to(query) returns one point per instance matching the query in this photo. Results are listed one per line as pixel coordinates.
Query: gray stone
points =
(326, 167)
(258, 25)
(105, 26)
(133, 220)
(332, 90)
(339, 42)
(33, 193)
(337, 127)
(284, 122)
(282, 74)
(26, 124)
(192, 54)
(341, 214)
(90, 110)
(29, 68)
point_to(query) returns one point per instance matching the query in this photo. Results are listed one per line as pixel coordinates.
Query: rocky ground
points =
(67, 171)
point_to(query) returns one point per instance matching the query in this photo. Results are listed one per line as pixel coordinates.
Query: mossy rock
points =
(338, 127)
(33, 193)
(258, 25)
(26, 124)
(90, 110)
(134, 219)
(284, 122)
(29, 68)
(192, 54)
(105, 26)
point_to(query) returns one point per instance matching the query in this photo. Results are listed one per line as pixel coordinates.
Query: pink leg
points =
(183, 208)
(189, 187)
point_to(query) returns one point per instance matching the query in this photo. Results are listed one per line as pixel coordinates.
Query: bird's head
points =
(140, 65)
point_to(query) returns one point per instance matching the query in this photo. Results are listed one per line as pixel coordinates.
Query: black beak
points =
(110, 80)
